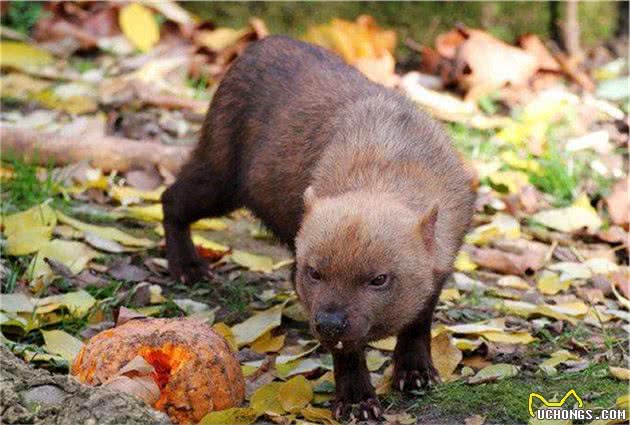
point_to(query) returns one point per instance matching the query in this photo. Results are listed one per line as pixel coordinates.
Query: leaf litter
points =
(545, 258)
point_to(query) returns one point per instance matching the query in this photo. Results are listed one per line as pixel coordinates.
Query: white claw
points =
(365, 415)
(376, 411)
(418, 383)
(339, 345)
(401, 384)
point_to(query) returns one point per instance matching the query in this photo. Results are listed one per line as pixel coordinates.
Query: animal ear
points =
(426, 228)
(309, 198)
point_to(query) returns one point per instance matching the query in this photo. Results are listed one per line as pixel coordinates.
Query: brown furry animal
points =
(365, 189)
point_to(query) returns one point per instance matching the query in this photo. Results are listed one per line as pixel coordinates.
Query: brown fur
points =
(387, 194)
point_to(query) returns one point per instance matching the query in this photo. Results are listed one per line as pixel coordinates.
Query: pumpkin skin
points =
(194, 366)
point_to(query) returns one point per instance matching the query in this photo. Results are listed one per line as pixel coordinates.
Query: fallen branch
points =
(105, 152)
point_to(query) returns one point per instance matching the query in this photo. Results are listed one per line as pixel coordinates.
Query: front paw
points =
(188, 272)
(365, 410)
(415, 378)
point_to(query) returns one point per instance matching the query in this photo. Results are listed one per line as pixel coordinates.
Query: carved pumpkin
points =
(194, 366)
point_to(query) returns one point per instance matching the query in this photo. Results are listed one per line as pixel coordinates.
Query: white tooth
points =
(339, 345)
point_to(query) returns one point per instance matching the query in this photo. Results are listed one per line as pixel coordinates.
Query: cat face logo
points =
(553, 403)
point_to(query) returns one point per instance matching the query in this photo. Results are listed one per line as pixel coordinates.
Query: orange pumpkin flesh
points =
(194, 366)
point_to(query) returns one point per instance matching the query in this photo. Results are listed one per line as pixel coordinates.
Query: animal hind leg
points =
(197, 193)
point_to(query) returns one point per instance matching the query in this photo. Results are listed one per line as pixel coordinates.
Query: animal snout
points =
(331, 325)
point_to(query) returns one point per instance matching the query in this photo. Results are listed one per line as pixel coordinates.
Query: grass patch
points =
(472, 142)
(506, 402)
(22, 15)
(27, 187)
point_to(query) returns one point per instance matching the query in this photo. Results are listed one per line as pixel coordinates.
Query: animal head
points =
(365, 266)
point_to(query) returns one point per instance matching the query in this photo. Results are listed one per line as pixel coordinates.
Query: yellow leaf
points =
(268, 344)
(153, 212)
(19, 55)
(257, 325)
(253, 262)
(62, 343)
(467, 344)
(387, 344)
(507, 337)
(78, 303)
(450, 294)
(514, 282)
(620, 373)
(72, 254)
(295, 394)
(39, 215)
(265, 399)
(494, 372)
(550, 284)
(464, 263)
(375, 360)
(104, 232)
(502, 226)
(318, 415)
(71, 104)
(579, 215)
(446, 356)
(28, 240)
(128, 195)
(558, 357)
(139, 26)
(576, 308)
(233, 416)
(220, 38)
(497, 325)
(513, 181)
(225, 331)
(510, 158)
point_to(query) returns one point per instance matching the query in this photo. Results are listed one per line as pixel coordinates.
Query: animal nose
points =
(331, 325)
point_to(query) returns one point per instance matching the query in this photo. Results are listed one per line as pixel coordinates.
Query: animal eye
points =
(379, 281)
(313, 274)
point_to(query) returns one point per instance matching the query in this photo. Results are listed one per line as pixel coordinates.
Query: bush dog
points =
(364, 188)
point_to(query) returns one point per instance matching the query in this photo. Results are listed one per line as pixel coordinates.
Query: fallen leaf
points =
(74, 255)
(464, 263)
(77, 303)
(268, 344)
(220, 38)
(295, 394)
(257, 325)
(507, 337)
(139, 26)
(375, 360)
(450, 294)
(126, 195)
(493, 373)
(526, 258)
(226, 332)
(578, 216)
(23, 56)
(318, 415)
(514, 282)
(62, 343)
(386, 344)
(253, 262)
(549, 283)
(233, 416)
(105, 232)
(16, 303)
(28, 231)
(501, 226)
(558, 357)
(446, 356)
(265, 399)
(618, 203)
(620, 373)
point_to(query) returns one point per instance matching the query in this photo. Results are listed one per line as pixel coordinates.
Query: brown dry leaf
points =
(446, 356)
(526, 257)
(618, 203)
(485, 63)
